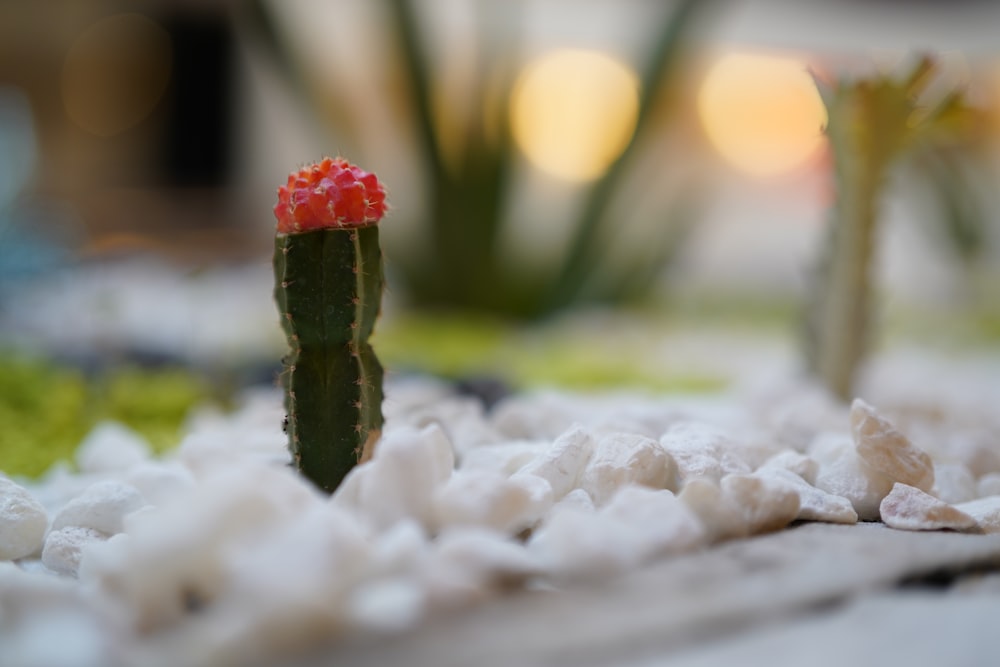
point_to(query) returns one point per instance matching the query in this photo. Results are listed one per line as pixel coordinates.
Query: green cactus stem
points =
(328, 288)
(871, 124)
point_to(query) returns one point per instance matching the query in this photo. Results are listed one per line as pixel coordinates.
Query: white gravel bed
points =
(220, 553)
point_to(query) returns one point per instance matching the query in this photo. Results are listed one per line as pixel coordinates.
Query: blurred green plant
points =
(458, 347)
(873, 123)
(461, 267)
(46, 409)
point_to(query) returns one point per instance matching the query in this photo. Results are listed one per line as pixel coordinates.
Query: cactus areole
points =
(328, 288)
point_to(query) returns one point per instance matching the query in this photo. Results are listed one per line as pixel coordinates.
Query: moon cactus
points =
(328, 288)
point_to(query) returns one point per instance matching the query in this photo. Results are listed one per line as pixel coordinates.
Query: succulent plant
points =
(328, 287)
(873, 123)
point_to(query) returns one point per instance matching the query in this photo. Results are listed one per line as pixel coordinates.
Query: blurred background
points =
(572, 184)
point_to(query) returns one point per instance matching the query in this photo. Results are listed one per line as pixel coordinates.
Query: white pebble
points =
(401, 479)
(506, 457)
(576, 543)
(577, 498)
(660, 522)
(159, 482)
(976, 449)
(988, 485)
(814, 504)
(795, 462)
(563, 463)
(699, 450)
(622, 459)
(842, 472)
(720, 519)
(485, 499)
(887, 450)
(763, 504)
(111, 447)
(637, 524)
(462, 419)
(469, 564)
(909, 508)
(540, 496)
(23, 522)
(387, 605)
(542, 415)
(484, 556)
(985, 511)
(102, 506)
(189, 543)
(400, 550)
(64, 548)
(322, 553)
(953, 483)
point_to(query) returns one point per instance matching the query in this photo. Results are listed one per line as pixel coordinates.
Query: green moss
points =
(154, 403)
(47, 409)
(43, 410)
(453, 346)
(446, 345)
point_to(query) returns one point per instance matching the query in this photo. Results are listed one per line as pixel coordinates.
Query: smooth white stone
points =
(814, 504)
(322, 554)
(23, 522)
(908, 508)
(953, 483)
(622, 459)
(485, 499)
(64, 548)
(539, 493)
(887, 450)
(401, 550)
(719, 518)
(483, 555)
(976, 449)
(401, 479)
(189, 543)
(795, 462)
(103, 506)
(700, 450)
(661, 523)
(795, 412)
(988, 485)
(543, 415)
(986, 512)
(575, 543)
(764, 504)
(462, 419)
(111, 447)
(577, 498)
(637, 524)
(66, 635)
(842, 472)
(387, 605)
(506, 458)
(562, 464)
(159, 482)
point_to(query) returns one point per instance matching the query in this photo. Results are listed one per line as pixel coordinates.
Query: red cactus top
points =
(332, 193)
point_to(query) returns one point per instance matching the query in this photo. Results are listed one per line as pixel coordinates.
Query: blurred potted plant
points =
(873, 124)
(467, 196)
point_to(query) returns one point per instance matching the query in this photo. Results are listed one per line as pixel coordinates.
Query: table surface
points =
(811, 594)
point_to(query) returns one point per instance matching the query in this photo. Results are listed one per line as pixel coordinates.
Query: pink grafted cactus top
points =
(332, 193)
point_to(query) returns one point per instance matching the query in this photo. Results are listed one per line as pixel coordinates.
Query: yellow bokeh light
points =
(762, 113)
(574, 111)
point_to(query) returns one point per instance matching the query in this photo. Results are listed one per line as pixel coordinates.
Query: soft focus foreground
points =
(221, 554)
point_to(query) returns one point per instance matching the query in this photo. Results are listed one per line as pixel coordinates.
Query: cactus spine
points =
(328, 288)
